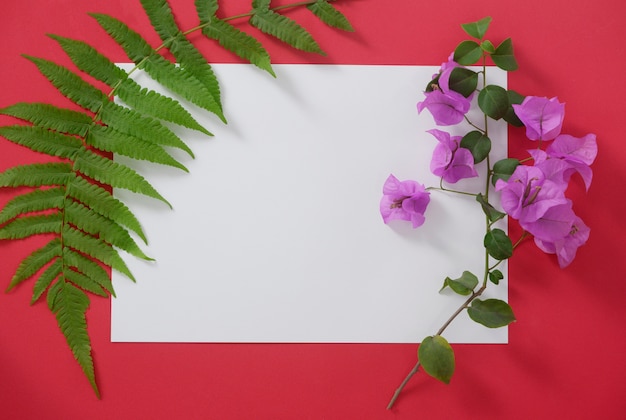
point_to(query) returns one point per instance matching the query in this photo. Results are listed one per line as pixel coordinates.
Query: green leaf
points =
(477, 143)
(487, 47)
(503, 169)
(238, 42)
(37, 175)
(26, 226)
(490, 211)
(51, 117)
(503, 56)
(467, 53)
(492, 313)
(510, 116)
(95, 248)
(493, 101)
(463, 81)
(464, 285)
(53, 291)
(114, 174)
(330, 15)
(45, 280)
(437, 358)
(498, 244)
(185, 53)
(110, 140)
(84, 282)
(89, 268)
(284, 29)
(35, 262)
(477, 29)
(34, 201)
(102, 202)
(106, 229)
(206, 9)
(495, 276)
(43, 140)
(69, 306)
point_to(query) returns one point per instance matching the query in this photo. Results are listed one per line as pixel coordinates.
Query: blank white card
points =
(276, 234)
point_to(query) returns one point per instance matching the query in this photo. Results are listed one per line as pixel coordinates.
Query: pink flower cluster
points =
(535, 195)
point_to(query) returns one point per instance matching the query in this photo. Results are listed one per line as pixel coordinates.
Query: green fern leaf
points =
(106, 229)
(82, 281)
(37, 175)
(95, 248)
(35, 261)
(26, 226)
(140, 126)
(154, 104)
(51, 117)
(43, 140)
(109, 140)
(70, 84)
(89, 268)
(238, 42)
(34, 201)
(46, 279)
(114, 174)
(206, 8)
(330, 15)
(284, 29)
(102, 202)
(146, 101)
(261, 4)
(185, 53)
(52, 293)
(69, 306)
(173, 77)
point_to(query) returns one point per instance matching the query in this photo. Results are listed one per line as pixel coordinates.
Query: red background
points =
(566, 353)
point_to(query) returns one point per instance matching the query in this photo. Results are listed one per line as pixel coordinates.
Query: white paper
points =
(276, 234)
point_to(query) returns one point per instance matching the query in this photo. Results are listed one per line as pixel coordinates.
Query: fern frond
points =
(185, 53)
(238, 42)
(35, 261)
(70, 84)
(89, 268)
(102, 202)
(173, 77)
(50, 117)
(26, 226)
(114, 174)
(95, 248)
(140, 126)
(206, 8)
(84, 282)
(34, 201)
(90, 222)
(283, 28)
(52, 293)
(328, 14)
(69, 306)
(42, 140)
(37, 175)
(46, 279)
(109, 140)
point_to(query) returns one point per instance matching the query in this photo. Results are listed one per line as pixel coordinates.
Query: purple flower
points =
(404, 200)
(528, 195)
(565, 248)
(542, 117)
(553, 225)
(450, 161)
(578, 153)
(447, 108)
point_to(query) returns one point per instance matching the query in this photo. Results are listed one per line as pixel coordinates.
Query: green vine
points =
(89, 225)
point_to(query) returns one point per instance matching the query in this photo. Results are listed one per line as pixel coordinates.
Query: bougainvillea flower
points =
(554, 225)
(528, 195)
(404, 200)
(450, 161)
(579, 153)
(542, 117)
(447, 108)
(566, 247)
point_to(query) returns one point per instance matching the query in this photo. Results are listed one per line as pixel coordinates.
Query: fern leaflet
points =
(284, 29)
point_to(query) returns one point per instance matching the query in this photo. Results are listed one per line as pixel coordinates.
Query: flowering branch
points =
(534, 195)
